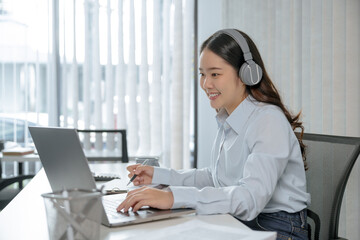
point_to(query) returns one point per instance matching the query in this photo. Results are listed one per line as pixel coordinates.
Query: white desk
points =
(24, 158)
(25, 216)
(92, 156)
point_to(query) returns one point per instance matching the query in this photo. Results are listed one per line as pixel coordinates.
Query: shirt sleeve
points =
(198, 178)
(269, 145)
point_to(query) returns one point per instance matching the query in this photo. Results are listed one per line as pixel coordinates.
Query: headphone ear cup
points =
(250, 73)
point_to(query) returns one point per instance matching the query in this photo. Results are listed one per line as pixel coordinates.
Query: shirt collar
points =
(238, 118)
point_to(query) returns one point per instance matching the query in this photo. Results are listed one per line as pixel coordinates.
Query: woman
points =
(257, 170)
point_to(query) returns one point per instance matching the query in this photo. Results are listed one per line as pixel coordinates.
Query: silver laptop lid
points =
(63, 158)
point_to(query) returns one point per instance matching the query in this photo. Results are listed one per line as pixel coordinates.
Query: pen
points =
(133, 177)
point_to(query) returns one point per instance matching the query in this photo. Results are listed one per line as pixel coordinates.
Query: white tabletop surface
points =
(25, 216)
(21, 158)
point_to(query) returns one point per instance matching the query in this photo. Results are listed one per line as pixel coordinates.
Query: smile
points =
(213, 96)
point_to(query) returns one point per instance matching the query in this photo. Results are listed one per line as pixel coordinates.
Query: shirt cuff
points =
(184, 197)
(161, 176)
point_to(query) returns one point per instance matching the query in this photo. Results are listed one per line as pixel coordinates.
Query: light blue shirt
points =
(256, 166)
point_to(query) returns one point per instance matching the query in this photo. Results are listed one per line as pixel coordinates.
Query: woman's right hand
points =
(144, 174)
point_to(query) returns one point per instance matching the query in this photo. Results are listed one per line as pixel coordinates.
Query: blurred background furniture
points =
(17, 165)
(10, 187)
(330, 160)
(104, 144)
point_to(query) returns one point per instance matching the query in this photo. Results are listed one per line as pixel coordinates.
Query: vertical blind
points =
(311, 50)
(107, 64)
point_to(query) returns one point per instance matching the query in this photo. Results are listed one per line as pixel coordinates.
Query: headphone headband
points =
(250, 73)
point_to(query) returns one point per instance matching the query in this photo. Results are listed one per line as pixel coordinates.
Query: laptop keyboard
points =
(110, 206)
(100, 177)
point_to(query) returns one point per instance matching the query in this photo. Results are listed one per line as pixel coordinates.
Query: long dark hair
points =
(227, 48)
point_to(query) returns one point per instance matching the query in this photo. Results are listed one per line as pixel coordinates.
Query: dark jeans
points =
(287, 225)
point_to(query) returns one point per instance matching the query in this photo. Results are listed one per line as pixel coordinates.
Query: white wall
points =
(315, 69)
(209, 21)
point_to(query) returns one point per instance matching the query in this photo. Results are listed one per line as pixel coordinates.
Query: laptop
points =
(66, 166)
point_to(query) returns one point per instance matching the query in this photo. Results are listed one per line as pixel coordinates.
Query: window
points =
(102, 64)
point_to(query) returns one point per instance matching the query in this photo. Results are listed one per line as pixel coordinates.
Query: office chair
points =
(115, 140)
(7, 193)
(330, 160)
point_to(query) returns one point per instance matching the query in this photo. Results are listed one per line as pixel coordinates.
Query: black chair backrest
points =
(330, 160)
(110, 133)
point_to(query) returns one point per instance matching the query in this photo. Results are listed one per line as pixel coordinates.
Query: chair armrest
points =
(317, 222)
(8, 181)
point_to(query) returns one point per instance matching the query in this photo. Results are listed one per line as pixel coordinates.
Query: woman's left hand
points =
(146, 196)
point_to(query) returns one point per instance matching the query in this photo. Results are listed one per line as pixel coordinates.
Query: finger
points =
(121, 206)
(133, 200)
(135, 191)
(137, 170)
(133, 197)
(130, 175)
(127, 207)
(139, 205)
(125, 204)
(131, 168)
(140, 169)
(140, 180)
(136, 182)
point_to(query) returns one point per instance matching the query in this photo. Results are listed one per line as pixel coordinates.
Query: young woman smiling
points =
(257, 169)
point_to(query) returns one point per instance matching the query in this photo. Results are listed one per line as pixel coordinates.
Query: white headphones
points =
(250, 73)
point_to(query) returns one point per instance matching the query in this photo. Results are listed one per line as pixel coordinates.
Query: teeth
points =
(213, 94)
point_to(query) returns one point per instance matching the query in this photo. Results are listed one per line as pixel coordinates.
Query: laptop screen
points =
(63, 158)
